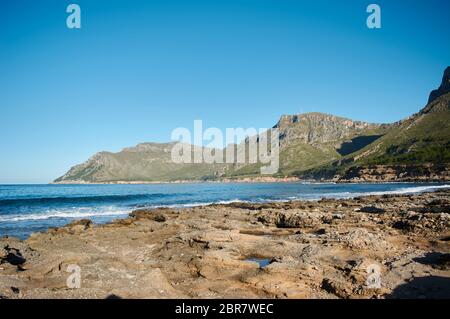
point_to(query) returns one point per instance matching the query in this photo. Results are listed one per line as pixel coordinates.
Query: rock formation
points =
(444, 88)
(299, 249)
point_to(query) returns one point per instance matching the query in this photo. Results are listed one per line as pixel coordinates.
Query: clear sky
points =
(138, 69)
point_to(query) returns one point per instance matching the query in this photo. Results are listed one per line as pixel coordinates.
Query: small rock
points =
(372, 210)
(153, 214)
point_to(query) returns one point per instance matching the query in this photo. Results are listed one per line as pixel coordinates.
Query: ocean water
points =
(25, 209)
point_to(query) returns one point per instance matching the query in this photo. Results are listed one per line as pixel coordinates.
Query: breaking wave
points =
(78, 213)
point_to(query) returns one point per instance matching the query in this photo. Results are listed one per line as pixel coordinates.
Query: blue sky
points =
(138, 69)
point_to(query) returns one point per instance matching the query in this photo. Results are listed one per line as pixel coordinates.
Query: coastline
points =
(423, 173)
(424, 180)
(294, 249)
(245, 180)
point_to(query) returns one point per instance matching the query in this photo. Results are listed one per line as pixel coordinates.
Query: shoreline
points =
(294, 249)
(303, 181)
(417, 188)
(425, 173)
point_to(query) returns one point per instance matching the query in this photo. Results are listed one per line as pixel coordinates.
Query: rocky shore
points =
(423, 173)
(396, 173)
(389, 246)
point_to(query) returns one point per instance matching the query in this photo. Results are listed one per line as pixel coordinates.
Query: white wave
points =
(188, 205)
(196, 204)
(411, 190)
(62, 214)
(347, 194)
(230, 201)
(316, 196)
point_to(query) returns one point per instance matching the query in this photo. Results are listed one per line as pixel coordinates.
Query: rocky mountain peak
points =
(149, 147)
(317, 118)
(318, 127)
(444, 88)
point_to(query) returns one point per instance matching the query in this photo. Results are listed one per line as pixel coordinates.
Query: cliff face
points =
(444, 88)
(318, 128)
(315, 128)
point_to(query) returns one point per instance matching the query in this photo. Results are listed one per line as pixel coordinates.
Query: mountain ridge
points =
(313, 145)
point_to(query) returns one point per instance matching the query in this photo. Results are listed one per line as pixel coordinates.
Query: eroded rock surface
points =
(300, 249)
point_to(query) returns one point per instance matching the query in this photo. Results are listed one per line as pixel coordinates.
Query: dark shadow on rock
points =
(113, 296)
(403, 225)
(15, 290)
(372, 210)
(431, 287)
(14, 257)
(435, 259)
(356, 144)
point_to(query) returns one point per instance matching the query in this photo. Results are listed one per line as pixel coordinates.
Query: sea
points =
(25, 209)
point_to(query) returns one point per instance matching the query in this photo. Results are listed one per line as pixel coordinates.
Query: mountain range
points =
(314, 146)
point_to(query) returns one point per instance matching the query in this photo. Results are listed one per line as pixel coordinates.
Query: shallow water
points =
(262, 262)
(29, 208)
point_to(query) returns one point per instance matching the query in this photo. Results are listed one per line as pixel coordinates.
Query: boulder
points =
(152, 214)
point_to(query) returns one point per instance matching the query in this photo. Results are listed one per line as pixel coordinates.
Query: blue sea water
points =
(25, 209)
